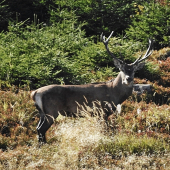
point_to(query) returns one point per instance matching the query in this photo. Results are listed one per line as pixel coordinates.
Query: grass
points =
(137, 137)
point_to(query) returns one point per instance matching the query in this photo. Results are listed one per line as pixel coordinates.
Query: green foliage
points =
(151, 20)
(125, 145)
(99, 15)
(40, 55)
(22, 10)
(142, 18)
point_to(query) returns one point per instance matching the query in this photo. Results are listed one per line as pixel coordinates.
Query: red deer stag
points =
(54, 99)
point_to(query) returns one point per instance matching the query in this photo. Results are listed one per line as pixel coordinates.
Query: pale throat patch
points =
(124, 81)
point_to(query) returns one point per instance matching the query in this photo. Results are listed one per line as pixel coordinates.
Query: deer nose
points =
(129, 79)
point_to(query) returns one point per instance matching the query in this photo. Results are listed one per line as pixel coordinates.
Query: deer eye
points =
(128, 69)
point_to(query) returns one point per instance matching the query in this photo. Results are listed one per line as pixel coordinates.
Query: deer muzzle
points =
(127, 80)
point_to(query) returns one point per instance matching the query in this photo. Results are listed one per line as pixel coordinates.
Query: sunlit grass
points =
(125, 145)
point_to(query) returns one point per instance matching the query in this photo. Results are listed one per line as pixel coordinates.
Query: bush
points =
(151, 20)
(43, 55)
(104, 15)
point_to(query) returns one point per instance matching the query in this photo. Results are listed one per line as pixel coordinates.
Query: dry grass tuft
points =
(77, 136)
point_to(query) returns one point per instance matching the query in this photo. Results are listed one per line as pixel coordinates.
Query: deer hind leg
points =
(44, 124)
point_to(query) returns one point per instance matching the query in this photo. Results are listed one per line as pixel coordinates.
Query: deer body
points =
(64, 98)
(54, 99)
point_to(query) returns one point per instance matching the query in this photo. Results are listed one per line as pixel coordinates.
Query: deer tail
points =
(32, 95)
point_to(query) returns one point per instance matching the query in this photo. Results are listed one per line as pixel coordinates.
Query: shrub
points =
(41, 55)
(151, 20)
(99, 16)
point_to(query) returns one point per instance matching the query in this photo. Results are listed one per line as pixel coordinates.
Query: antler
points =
(103, 39)
(147, 54)
(140, 59)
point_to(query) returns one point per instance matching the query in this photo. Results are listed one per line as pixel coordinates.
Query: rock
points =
(140, 88)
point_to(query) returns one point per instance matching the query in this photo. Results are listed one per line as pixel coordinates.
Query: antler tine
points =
(106, 45)
(137, 60)
(110, 36)
(147, 54)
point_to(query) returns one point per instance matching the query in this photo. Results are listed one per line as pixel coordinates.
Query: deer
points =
(52, 100)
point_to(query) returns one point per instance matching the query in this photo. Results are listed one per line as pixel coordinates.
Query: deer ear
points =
(139, 66)
(117, 63)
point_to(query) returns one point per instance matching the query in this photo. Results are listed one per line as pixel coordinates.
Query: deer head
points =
(127, 71)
